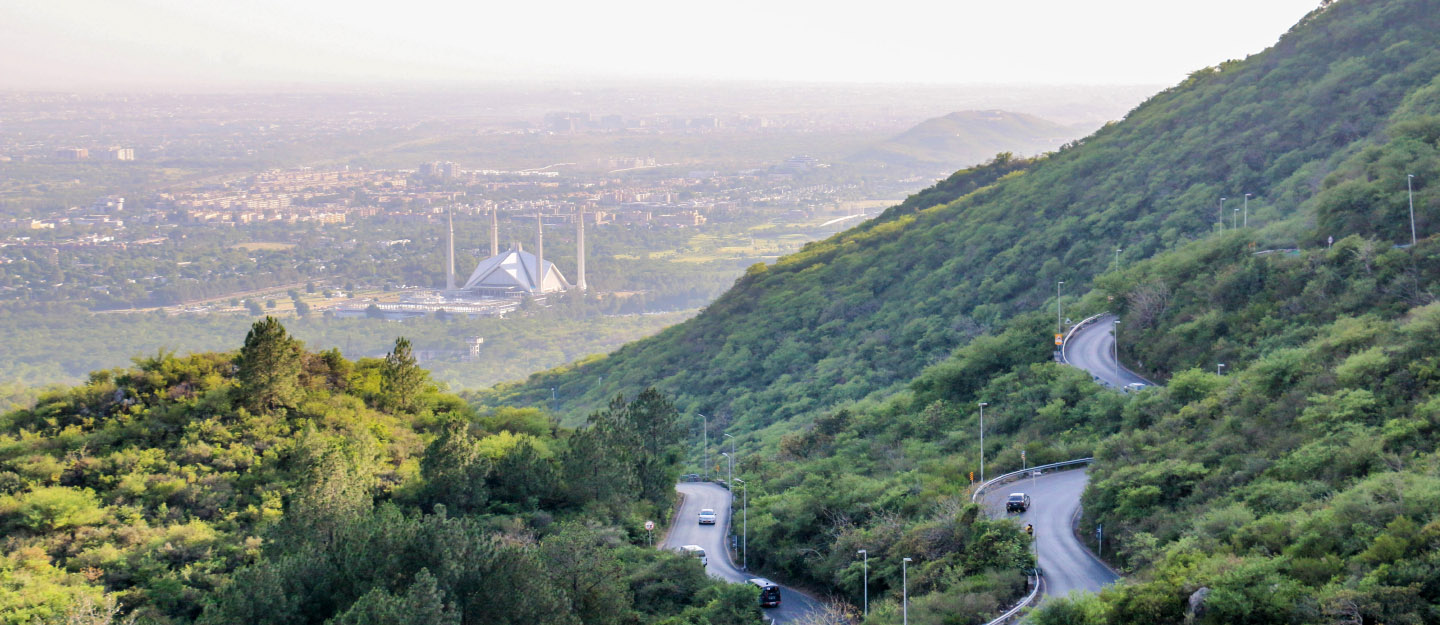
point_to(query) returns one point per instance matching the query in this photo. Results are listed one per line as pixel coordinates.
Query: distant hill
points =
(968, 138)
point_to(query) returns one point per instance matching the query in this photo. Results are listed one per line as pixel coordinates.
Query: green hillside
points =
(275, 485)
(965, 138)
(1298, 488)
(866, 310)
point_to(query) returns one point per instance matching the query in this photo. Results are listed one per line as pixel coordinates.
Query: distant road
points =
(1092, 348)
(1054, 501)
(688, 531)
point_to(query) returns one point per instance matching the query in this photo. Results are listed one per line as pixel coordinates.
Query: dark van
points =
(769, 592)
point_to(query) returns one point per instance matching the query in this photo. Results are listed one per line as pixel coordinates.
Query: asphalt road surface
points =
(688, 531)
(1054, 500)
(1092, 348)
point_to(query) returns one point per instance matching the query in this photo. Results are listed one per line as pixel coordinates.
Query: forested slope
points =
(866, 310)
(280, 486)
(1299, 487)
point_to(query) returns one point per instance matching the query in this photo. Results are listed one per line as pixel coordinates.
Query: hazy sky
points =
(200, 43)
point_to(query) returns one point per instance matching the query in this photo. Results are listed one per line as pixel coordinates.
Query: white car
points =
(696, 551)
(1134, 386)
(707, 517)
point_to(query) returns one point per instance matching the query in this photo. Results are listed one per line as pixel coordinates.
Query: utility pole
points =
(982, 441)
(1116, 335)
(865, 566)
(905, 589)
(745, 533)
(1059, 325)
(705, 441)
(732, 443)
(1410, 189)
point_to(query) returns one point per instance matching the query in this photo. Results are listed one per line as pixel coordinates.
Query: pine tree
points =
(270, 364)
(401, 380)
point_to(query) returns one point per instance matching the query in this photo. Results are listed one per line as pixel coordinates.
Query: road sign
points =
(649, 525)
(1059, 339)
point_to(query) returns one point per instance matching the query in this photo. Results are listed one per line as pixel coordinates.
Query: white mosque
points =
(515, 272)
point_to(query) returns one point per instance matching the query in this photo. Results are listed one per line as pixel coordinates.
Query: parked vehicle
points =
(769, 592)
(1018, 502)
(707, 517)
(1134, 386)
(696, 551)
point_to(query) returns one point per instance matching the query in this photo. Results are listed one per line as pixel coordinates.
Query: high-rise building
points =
(122, 154)
(72, 154)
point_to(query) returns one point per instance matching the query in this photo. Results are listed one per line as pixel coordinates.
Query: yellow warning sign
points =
(1059, 339)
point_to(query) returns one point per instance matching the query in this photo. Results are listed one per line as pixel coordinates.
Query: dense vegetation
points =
(277, 485)
(1297, 488)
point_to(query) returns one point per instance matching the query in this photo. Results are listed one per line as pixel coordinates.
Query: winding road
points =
(688, 531)
(1054, 503)
(1092, 348)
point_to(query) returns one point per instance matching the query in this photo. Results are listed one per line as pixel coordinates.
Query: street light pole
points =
(705, 435)
(1117, 260)
(1410, 189)
(730, 463)
(865, 566)
(745, 525)
(982, 441)
(732, 446)
(1221, 216)
(1059, 327)
(905, 589)
(1247, 210)
(1116, 335)
(1218, 367)
(1234, 218)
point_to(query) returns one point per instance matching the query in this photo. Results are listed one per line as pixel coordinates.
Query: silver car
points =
(707, 517)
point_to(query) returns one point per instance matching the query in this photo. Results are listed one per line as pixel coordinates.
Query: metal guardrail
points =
(1002, 479)
(975, 497)
(1024, 603)
(1071, 334)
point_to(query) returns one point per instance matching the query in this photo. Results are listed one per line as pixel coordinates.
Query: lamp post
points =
(1117, 260)
(732, 443)
(865, 566)
(1410, 189)
(1116, 334)
(1059, 329)
(1218, 368)
(905, 590)
(1221, 216)
(730, 464)
(982, 441)
(705, 444)
(745, 526)
(1234, 218)
(1246, 223)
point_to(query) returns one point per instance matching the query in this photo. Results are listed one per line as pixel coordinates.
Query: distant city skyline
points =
(160, 44)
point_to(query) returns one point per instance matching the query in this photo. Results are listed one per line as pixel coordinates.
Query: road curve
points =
(688, 531)
(1092, 348)
(1054, 502)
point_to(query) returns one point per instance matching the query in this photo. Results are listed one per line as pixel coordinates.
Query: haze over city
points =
(174, 44)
